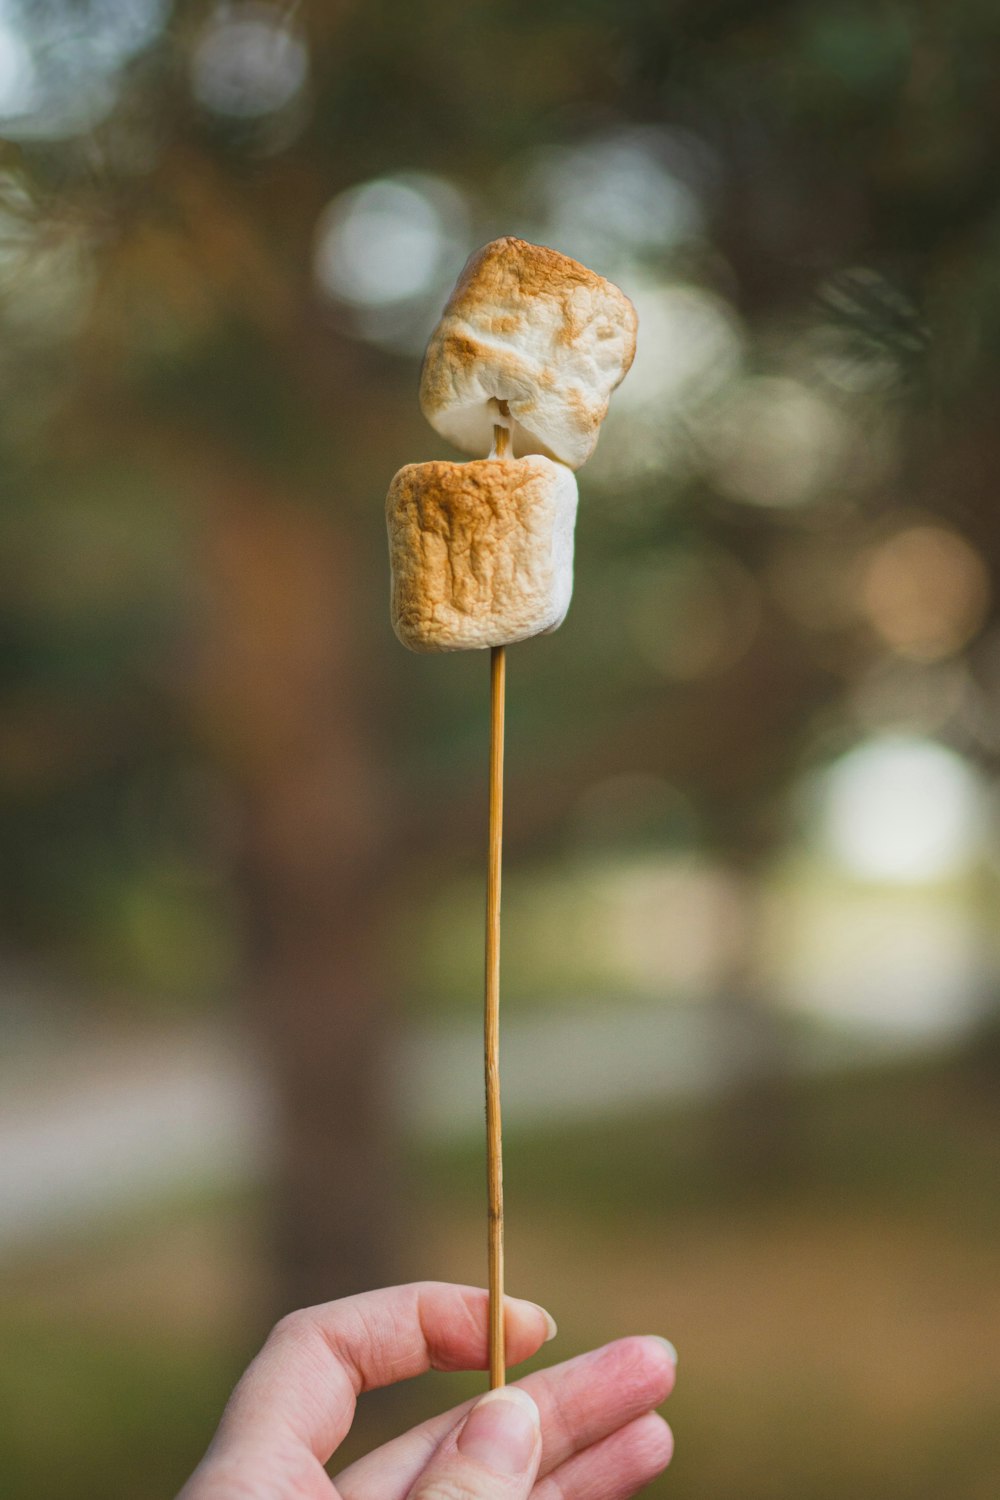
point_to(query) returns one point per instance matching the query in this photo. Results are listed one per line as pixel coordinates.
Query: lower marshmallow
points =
(481, 552)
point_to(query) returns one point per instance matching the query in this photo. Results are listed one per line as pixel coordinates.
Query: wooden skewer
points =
(491, 1034)
(491, 1028)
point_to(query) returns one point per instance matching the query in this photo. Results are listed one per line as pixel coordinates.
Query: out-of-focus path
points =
(98, 1123)
(108, 1123)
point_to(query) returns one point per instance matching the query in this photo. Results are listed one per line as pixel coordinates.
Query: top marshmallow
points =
(536, 329)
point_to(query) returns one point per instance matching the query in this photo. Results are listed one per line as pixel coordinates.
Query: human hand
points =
(585, 1429)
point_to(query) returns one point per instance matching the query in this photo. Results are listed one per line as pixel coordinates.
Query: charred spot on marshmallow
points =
(481, 553)
(538, 330)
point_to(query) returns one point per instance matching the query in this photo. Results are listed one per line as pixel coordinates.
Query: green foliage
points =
(158, 288)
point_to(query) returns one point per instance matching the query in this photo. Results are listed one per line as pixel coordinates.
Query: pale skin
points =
(589, 1432)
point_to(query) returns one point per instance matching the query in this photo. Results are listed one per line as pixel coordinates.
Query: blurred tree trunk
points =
(280, 695)
(758, 1138)
(317, 1007)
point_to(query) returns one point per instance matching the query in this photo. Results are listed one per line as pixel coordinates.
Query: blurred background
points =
(751, 967)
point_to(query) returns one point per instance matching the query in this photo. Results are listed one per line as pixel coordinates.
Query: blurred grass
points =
(647, 927)
(836, 1323)
(118, 1347)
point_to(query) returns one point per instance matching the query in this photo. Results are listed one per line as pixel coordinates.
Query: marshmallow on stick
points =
(482, 553)
(529, 348)
(535, 329)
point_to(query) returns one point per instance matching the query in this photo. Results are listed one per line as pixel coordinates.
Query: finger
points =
(616, 1467)
(304, 1382)
(492, 1454)
(581, 1401)
(259, 1472)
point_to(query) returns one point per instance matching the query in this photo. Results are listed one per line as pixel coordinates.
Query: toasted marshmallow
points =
(481, 553)
(536, 329)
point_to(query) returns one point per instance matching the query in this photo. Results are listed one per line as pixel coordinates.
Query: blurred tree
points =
(196, 442)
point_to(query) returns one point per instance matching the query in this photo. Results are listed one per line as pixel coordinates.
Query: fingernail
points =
(502, 1431)
(672, 1352)
(551, 1327)
(550, 1323)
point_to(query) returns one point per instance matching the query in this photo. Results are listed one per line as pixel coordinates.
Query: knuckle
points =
(453, 1486)
(294, 1328)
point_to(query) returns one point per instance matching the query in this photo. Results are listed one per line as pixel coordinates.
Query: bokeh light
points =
(616, 196)
(904, 809)
(883, 970)
(387, 250)
(60, 62)
(926, 592)
(690, 346)
(777, 442)
(671, 925)
(249, 61)
(17, 74)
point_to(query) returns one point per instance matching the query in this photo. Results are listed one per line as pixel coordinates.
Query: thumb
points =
(493, 1455)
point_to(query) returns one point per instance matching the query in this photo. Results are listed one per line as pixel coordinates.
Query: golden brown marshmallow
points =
(481, 552)
(536, 329)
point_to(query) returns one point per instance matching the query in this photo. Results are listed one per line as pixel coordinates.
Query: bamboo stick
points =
(491, 1028)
